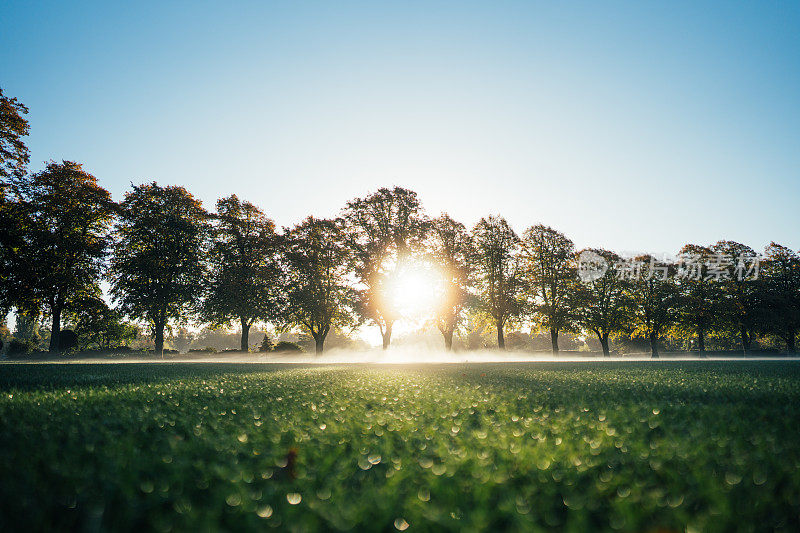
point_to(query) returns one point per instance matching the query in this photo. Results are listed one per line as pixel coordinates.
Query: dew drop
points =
(732, 478)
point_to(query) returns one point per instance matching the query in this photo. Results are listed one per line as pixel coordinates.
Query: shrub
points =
(204, 349)
(67, 341)
(17, 347)
(286, 346)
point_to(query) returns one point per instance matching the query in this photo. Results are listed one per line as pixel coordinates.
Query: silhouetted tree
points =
(739, 288)
(157, 267)
(382, 231)
(319, 295)
(244, 281)
(11, 242)
(498, 272)
(602, 304)
(656, 297)
(450, 248)
(14, 154)
(780, 293)
(702, 298)
(266, 343)
(67, 217)
(550, 271)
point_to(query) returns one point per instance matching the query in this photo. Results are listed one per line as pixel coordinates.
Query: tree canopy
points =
(656, 298)
(319, 294)
(14, 154)
(498, 273)
(157, 268)
(550, 272)
(602, 305)
(451, 250)
(382, 231)
(66, 218)
(243, 283)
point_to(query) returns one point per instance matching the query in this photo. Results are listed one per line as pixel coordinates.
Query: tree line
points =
(167, 260)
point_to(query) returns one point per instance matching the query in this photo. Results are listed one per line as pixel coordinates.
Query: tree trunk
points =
(448, 339)
(501, 340)
(159, 349)
(745, 338)
(55, 329)
(654, 345)
(790, 341)
(604, 343)
(701, 341)
(387, 335)
(319, 343)
(245, 344)
(554, 339)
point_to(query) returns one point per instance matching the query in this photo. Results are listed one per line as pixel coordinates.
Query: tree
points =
(655, 296)
(601, 302)
(244, 275)
(14, 156)
(701, 301)
(739, 288)
(451, 249)
(319, 296)
(66, 221)
(780, 293)
(550, 271)
(99, 326)
(497, 272)
(382, 230)
(27, 326)
(157, 266)
(11, 242)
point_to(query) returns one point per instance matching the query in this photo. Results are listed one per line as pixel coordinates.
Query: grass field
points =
(699, 446)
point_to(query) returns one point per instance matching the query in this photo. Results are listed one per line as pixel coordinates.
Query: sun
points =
(415, 292)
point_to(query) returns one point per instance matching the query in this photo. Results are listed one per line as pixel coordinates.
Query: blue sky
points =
(633, 126)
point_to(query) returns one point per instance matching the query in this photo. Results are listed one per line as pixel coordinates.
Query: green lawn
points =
(700, 446)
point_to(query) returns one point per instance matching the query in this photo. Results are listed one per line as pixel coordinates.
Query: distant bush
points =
(67, 341)
(19, 348)
(232, 350)
(286, 346)
(204, 349)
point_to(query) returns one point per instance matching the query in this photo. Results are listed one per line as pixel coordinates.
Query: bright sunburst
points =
(415, 292)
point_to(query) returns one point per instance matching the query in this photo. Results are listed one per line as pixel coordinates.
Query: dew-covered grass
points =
(702, 446)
